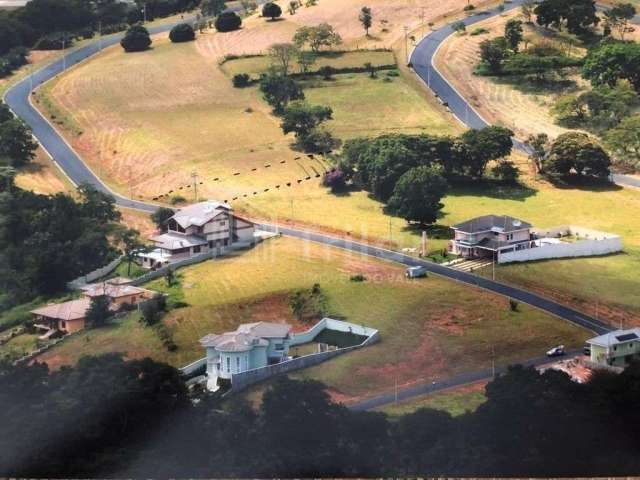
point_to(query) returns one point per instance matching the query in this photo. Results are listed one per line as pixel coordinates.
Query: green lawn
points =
(430, 328)
(18, 346)
(456, 402)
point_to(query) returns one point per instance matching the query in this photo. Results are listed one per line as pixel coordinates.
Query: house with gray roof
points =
(489, 236)
(199, 228)
(250, 346)
(615, 349)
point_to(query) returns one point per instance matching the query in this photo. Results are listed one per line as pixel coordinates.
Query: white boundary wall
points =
(587, 243)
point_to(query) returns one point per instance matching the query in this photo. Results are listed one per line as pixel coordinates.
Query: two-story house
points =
(490, 235)
(198, 228)
(616, 348)
(251, 345)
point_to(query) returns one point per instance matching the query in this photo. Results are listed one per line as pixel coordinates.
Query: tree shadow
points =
(531, 85)
(435, 231)
(587, 184)
(487, 188)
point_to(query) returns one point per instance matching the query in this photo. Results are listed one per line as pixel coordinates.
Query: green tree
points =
(99, 311)
(493, 53)
(160, 217)
(506, 172)
(212, 8)
(227, 22)
(278, 90)
(318, 140)
(152, 310)
(624, 139)
(527, 8)
(271, 10)
(366, 19)
(282, 54)
(182, 32)
(5, 113)
(306, 60)
(579, 153)
(539, 149)
(619, 16)
(417, 195)
(136, 39)
(513, 33)
(130, 244)
(482, 146)
(459, 27)
(317, 37)
(577, 14)
(301, 118)
(17, 147)
(611, 62)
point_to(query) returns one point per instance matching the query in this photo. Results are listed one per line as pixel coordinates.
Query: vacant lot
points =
(430, 329)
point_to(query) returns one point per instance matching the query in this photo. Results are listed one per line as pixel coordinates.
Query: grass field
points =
(18, 347)
(43, 176)
(456, 402)
(430, 329)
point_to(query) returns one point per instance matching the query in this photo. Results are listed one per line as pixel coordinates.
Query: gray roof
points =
(233, 342)
(616, 337)
(266, 329)
(71, 310)
(175, 241)
(110, 290)
(246, 337)
(199, 213)
(500, 223)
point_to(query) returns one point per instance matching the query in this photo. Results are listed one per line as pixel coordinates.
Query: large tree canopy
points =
(136, 39)
(17, 146)
(577, 14)
(578, 153)
(612, 62)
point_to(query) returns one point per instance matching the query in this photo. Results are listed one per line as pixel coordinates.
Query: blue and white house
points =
(251, 346)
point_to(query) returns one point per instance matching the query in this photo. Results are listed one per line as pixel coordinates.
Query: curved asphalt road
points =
(422, 61)
(17, 97)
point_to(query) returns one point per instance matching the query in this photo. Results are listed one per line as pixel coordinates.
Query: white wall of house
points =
(580, 248)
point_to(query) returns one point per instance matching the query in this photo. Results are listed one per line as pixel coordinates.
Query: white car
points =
(556, 351)
(416, 272)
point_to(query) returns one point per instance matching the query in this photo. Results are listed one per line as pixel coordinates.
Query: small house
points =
(118, 294)
(615, 349)
(66, 317)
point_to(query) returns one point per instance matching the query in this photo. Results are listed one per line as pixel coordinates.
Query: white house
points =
(489, 236)
(199, 228)
(250, 346)
(616, 348)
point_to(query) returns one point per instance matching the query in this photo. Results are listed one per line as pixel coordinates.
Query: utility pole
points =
(424, 244)
(194, 176)
(406, 46)
(100, 35)
(64, 53)
(144, 13)
(30, 78)
(390, 236)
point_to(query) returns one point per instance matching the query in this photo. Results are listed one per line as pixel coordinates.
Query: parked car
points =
(556, 351)
(416, 272)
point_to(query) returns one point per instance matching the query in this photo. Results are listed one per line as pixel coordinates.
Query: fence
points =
(95, 275)
(587, 243)
(240, 381)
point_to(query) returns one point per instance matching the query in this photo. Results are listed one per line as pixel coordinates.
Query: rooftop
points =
(199, 213)
(175, 241)
(246, 336)
(616, 337)
(110, 290)
(71, 310)
(266, 329)
(496, 223)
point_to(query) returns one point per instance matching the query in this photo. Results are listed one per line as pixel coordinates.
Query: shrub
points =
(513, 305)
(336, 180)
(271, 10)
(358, 278)
(54, 41)
(227, 22)
(479, 31)
(468, 8)
(326, 72)
(176, 199)
(459, 27)
(319, 140)
(182, 33)
(136, 39)
(506, 172)
(241, 80)
(152, 310)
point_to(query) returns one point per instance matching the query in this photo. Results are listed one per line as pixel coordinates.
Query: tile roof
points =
(175, 241)
(266, 329)
(199, 213)
(502, 223)
(246, 336)
(71, 310)
(110, 290)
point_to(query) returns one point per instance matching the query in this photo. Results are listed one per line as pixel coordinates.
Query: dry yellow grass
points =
(498, 102)
(43, 176)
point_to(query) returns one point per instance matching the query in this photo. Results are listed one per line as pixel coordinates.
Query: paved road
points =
(439, 385)
(17, 97)
(422, 61)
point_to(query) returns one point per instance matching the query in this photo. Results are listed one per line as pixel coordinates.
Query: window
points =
(279, 346)
(238, 363)
(228, 364)
(196, 249)
(223, 223)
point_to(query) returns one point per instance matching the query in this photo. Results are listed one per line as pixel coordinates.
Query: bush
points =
(506, 172)
(176, 199)
(479, 31)
(358, 278)
(54, 41)
(182, 33)
(271, 10)
(459, 27)
(227, 22)
(326, 72)
(153, 309)
(241, 80)
(318, 140)
(336, 180)
(136, 39)
(468, 8)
